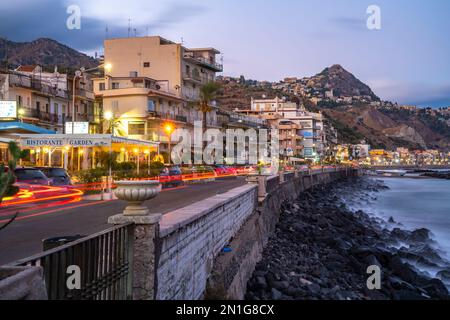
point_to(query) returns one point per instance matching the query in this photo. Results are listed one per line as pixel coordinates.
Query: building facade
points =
(154, 81)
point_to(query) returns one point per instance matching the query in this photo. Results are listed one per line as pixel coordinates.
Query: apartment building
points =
(153, 81)
(44, 98)
(310, 142)
(290, 140)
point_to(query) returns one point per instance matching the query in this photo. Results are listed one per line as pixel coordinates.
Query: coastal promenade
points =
(411, 167)
(180, 255)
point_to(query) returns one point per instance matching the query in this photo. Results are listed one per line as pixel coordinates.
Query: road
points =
(24, 236)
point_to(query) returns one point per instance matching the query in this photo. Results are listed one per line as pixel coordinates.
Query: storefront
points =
(9, 131)
(82, 151)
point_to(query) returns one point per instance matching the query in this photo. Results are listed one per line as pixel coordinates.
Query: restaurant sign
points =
(63, 142)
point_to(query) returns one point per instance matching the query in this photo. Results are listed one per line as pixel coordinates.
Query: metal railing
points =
(105, 260)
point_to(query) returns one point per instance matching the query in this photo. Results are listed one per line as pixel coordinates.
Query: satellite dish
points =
(78, 73)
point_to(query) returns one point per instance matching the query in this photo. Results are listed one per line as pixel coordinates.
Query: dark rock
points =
(275, 294)
(280, 285)
(420, 235)
(436, 289)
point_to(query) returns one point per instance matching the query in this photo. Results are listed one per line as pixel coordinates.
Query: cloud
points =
(350, 23)
(29, 20)
(424, 95)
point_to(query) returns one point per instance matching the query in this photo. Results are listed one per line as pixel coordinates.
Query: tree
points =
(7, 178)
(208, 93)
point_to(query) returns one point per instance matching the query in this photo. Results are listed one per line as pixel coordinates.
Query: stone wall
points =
(192, 237)
(190, 258)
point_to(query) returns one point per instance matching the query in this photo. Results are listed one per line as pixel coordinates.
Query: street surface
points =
(69, 216)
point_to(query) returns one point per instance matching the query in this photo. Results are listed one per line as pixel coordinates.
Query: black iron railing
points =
(105, 262)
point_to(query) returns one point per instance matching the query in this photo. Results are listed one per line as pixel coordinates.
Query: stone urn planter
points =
(135, 193)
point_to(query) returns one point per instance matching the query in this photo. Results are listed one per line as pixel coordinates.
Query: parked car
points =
(58, 176)
(224, 170)
(246, 170)
(171, 176)
(31, 176)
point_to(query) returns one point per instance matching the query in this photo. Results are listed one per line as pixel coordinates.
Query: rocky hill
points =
(336, 82)
(45, 52)
(353, 109)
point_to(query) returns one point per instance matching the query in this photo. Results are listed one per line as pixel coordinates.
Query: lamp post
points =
(169, 129)
(109, 116)
(78, 74)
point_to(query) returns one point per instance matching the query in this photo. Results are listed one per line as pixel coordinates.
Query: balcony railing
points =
(205, 62)
(168, 116)
(37, 85)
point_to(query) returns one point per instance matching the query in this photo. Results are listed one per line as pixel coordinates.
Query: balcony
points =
(168, 116)
(192, 78)
(204, 62)
(85, 94)
(37, 85)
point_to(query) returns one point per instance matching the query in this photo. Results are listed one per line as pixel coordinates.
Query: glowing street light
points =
(169, 129)
(108, 115)
(108, 67)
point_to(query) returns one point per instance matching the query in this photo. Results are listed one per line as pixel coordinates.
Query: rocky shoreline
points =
(321, 250)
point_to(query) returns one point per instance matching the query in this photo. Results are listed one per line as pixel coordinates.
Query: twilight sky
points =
(407, 61)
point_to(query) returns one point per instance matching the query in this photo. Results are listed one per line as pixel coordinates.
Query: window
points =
(101, 86)
(146, 64)
(115, 106)
(133, 74)
(151, 106)
(19, 100)
(136, 128)
(115, 85)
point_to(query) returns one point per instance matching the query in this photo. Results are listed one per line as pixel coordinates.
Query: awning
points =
(5, 140)
(78, 140)
(22, 127)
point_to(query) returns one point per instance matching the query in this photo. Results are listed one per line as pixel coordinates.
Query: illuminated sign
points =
(67, 141)
(78, 127)
(8, 109)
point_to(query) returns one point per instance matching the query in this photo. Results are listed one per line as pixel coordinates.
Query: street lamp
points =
(109, 116)
(169, 129)
(78, 74)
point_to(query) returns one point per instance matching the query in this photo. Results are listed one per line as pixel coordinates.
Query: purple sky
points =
(406, 61)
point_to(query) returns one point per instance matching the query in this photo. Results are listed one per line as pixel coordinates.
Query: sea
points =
(415, 202)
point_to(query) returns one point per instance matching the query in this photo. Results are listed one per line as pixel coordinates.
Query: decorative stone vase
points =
(135, 193)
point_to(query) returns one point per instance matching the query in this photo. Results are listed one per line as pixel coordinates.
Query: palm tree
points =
(208, 93)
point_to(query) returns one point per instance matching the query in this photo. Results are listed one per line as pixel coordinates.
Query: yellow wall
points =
(129, 54)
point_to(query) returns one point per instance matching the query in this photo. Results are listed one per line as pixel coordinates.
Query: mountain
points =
(45, 52)
(339, 82)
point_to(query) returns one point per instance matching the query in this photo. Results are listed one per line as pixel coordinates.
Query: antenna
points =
(182, 41)
(106, 32)
(146, 30)
(129, 27)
